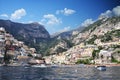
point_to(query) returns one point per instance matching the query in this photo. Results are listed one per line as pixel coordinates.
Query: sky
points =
(58, 15)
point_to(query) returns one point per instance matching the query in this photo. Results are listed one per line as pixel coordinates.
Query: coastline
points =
(107, 65)
(70, 65)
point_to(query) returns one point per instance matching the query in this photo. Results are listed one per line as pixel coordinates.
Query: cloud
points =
(106, 14)
(109, 13)
(87, 22)
(65, 11)
(65, 29)
(50, 19)
(4, 15)
(116, 11)
(18, 14)
(30, 21)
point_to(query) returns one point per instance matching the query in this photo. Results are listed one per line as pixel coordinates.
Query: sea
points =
(58, 73)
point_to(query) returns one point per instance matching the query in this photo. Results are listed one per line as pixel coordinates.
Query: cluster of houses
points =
(16, 52)
(72, 55)
(82, 52)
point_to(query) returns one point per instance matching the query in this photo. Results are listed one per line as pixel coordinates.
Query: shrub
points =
(86, 61)
(91, 41)
(114, 60)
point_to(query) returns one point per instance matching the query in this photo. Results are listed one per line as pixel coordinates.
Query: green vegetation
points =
(30, 55)
(115, 33)
(91, 41)
(93, 26)
(110, 34)
(54, 42)
(86, 61)
(114, 20)
(60, 50)
(118, 51)
(106, 37)
(115, 46)
(95, 52)
(69, 43)
(114, 60)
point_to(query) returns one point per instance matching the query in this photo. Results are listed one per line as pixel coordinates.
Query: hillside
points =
(32, 34)
(16, 53)
(99, 41)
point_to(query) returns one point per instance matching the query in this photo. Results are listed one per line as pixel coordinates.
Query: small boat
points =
(101, 68)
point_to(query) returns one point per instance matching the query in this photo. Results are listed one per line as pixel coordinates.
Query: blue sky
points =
(57, 15)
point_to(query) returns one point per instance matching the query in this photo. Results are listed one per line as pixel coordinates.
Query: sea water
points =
(58, 73)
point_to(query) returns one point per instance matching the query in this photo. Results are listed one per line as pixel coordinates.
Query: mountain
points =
(67, 34)
(27, 31)
(32, 34)
(61, 34)
(96, 42)
(62, 41)
(99, 29)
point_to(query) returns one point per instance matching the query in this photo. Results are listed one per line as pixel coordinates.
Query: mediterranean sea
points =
(58, 73)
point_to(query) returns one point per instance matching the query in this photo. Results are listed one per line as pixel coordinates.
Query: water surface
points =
(58, 73)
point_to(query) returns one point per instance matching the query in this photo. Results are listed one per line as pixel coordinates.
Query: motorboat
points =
(101, 68)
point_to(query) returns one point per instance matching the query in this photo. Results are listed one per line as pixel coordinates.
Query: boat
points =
(101, 68)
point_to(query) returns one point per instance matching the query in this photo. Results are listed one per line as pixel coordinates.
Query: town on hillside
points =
(99, 43)
(16, 53)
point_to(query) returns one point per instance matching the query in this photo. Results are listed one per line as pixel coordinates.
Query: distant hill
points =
(67, 34)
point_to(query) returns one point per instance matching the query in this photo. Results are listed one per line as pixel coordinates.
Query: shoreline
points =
(70, 65)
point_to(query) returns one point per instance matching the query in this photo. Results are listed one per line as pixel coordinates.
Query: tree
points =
(60, 49)
(93, 54)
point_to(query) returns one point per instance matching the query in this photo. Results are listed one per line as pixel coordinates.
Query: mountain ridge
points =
(7, 24)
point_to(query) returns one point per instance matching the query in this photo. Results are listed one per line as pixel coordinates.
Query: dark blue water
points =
(59, 73)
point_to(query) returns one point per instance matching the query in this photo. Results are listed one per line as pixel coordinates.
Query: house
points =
(105, 55)
(2, 36)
